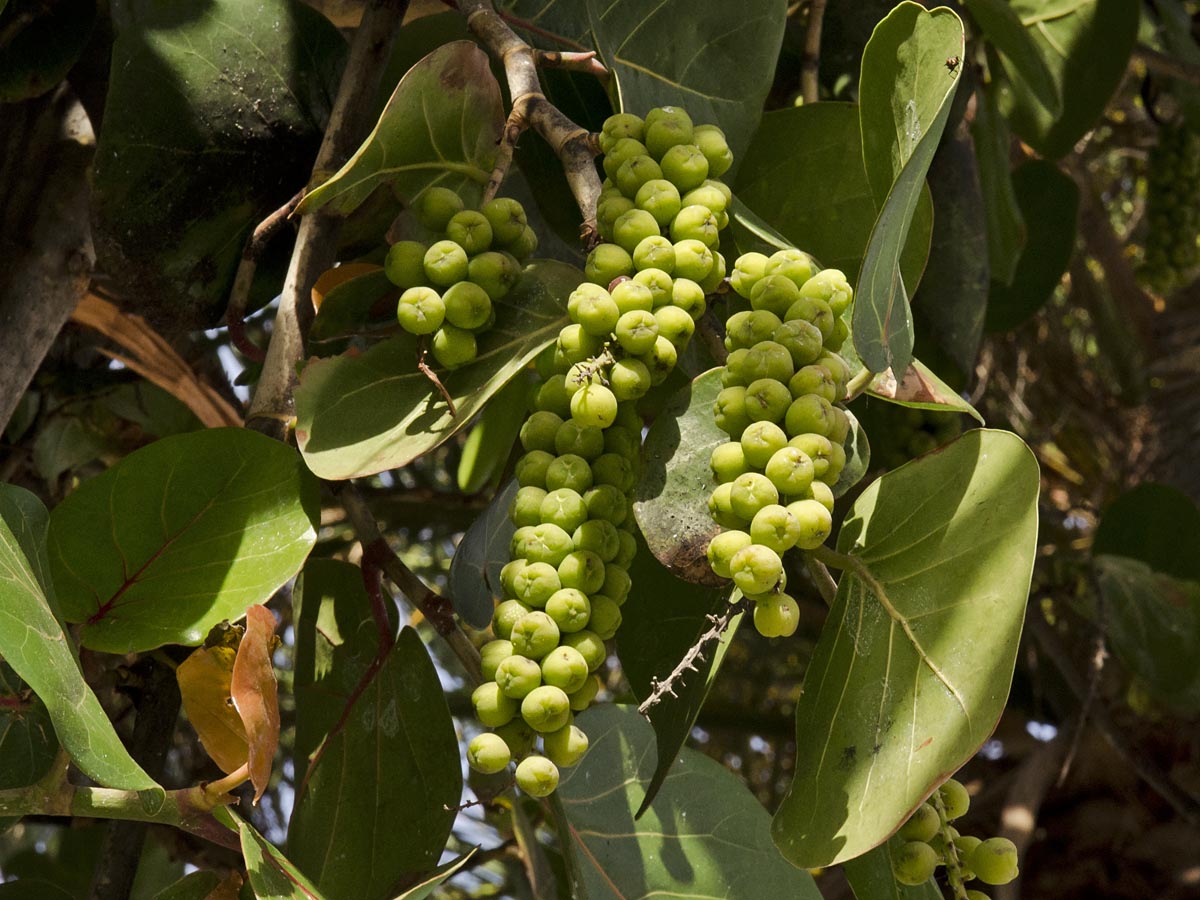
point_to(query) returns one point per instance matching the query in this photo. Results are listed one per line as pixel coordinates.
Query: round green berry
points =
(594, 405)
(675, 325)
(420, 310)
(524, 246)
(831, 286)
(565, 668)
(590, 647)
(623, 150)
(610, 468)
(729, 411)
(761, 440)
(554, 397)
(688, 296)
(435, 207)
(749, 493)
(793, 264)
(756, 569)
(635, 172)
(776, 615)
(654, 252)
(695, 223)
(606, 503)
(693, 259)
(621, 125)
(720, 507)
(749, 327)
(492, 706)
(453, 347)
(574, 345)
(815, 522)
(548, 543)
(607, 213)
(810, 309)
(506, 217)
(582, 570)
(467, 305)
(711, 141)
(631, 228)
(495, 272)
(594, 310)
(802, 340)
(535, 634)
(722, 547)
(747, 270)
(488, 753)
(565, 508)
(606, 616)
(716, 275)
(922, 825)
(445, 263)
(606, 263)
(629, 378)
(814, 379)
(631, 296)
(582, 698)
(773, 526)
(955, 798)
(661, 199)
(768, 359)
(728, 461)
(535, 584)
(767, 401)
(914, 863)
(659, 281)
(537, 776)
(817, 448)
(790, 470)
(566, 746)
(672, 128)
(518, 736)
(628, 550)
(532, 467)
(517, 676)
(685, 166)
(491, 655)
(995, 861)
(581, 440)
(570, 609)
(637, 331)
(569, 471)
(405, 264)
(599, 536)
(809, 414)
(507, 615)
(471, 230)
(617, 583)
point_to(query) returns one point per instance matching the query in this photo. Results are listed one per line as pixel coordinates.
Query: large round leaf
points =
(914, 663)
(179, 536)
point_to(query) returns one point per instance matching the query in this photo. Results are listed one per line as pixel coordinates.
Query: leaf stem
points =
(859, 383)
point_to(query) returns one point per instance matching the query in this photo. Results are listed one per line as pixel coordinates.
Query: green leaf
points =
(913, 666)
(440, 127)
(481, 554)
(858, 457)
(1086, 45)
(345, 308)
(336, 640)
(272, 876)
(32, 889)
(196, 886)
(1049, 201)
(671, 499)
(1176, 24)
(922, 389)
(378, 804)
(66, 443)
(34, 644)
(42, 43)
(720, 74)
(358, 415)
(436, 877)
(487, 448)
(803, 175)
(1155, 524)
(904, 100)
(704, 836)
(1004, 30)
(1153, 623)
(870, 877)
(1006, 227)
(28, 744)
(659, 624)
(233, 516)
(213, 117)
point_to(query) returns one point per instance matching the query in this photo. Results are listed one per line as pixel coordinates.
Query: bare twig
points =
(426, 370)
(256, 244)
(272, 406)
(578, 61)
(810, 63)
(696, 653)
(530, 108)
(1167, 65)
(435, 608)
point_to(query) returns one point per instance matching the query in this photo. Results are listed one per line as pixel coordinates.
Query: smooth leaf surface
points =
(803, 175)
(704, 836)
(214, 114)
(719, 74)
(345, 307)
(671, 499)
(1086, 45)
(1153, 623)
(922, 389)
(272, 875)
(858, 457)
(1156, 524)
(358, 415)
(255, 694)
(205, 688)
(1049, 202)
(478, 559)
(661, 620)
(870, 877)
(379, 802)
(34, 644)
(913, 666)
(904, 101)
(440, 127)
(234, 515)
(28, 744)
(1005, 225)
(1003, 29)
(430, 882)
(41, 45)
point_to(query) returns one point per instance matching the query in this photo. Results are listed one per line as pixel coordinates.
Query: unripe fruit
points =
(607, 262)
(815, 522)
(716, 275)
(453, 347)
(420, 310)
(621, 125)
(471, 230)
(659, 281)
(816, 447)
(776, 615)
(570, 609)
(775, 294)
(756, 569)
(955, 798)
(632, 227)
(582, 698)
(566, 746)
(729, 411)
(809, 414)
(539, 430)
(598, 536)
(605, 502)
(581, 440)
(609, 468)
(537, 776)
(574, 345)
(405, 264)
(749, 493)
(445, 263)
(654, 252)
(721, 550)
(535, 584)
(684, 166)
(790, 470)
(809, 309)
(507, 219)
(774, 527)
(995, 861)
(548, 543)
(707, 195)
(914, 863)
(590, 647)
(720, 507)
(606, 617)
(608, 211)
(792, 263)
(761, 440)
(922, 825)
(569, 471)
(728, 461)
(491, 655)
(635, 172)
(814, 379)
(517, 676)
(831, 286)
(518, 736)
(766, 359)
(711, 141)
(554, 397)
(467, 305)
(747, 328)
(675, 325)
(629, 378)
(628, 550)
(488, 753)
(565, 508)
(594, 405)
(595, 311)
(565, 668)
(582, 570)
(535, 634)
(667, 131)
(616, 585)
(532, 467)
(688, 296)
(695, 223)
(802, 340)
(631, 296)
(661, 199)
(767, 401)
(623, 150)
(637, 331)
(693, 259)
(492, 707)
(747, 270)
(435, 206)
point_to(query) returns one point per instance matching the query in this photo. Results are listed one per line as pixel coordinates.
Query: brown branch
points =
(571, 143)
(696, 653)
(1163, 64)
(437, 609)
(584, 61)
(426, 370)
(810, 62)
(272, 406)
(256, 244)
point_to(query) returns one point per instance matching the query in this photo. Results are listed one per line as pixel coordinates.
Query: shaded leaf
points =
(870, 877)
(803, 175)
(1086, 45)
(196, 886)
(1155, 524)
(904, 101)
(704, 836)
(1006, 228)
(235, 515)
(34, 644)
(204, 686)
(272, 876)
(32, 889)
(28, 744)
(858, 457)
(255, 694)
(348, 303)
(186, 166)
(436, 877)
(1049, 202)
(489, 444)
(1003, 29)
(671, 499)
(66, 443)
(358, 415)
(922, 389)
(379, 802)
(913, 666)
(719, 74)
(42, 43)
(478, 559)
(440, 127)
(338, 275)
(660, 622)
(1153, 623)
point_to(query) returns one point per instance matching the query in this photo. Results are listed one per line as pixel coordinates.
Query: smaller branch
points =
(822, 579)
(513, 129)
(810, 62)
(1170, 66)
(585, 61)
(256, 245)
(696, 653)
(858, 385)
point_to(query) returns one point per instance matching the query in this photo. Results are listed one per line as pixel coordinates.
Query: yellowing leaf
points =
(256, 694)
(204, 684)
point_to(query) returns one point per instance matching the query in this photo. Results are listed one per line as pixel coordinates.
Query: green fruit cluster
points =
(782, 383)
(450, 285)
(574, 540)
(1172, 248)
(992, 861)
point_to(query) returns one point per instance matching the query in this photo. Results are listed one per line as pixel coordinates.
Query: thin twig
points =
(437, 609)
(571, 143)
(425, 369)
(1167, 65)
(810, 63)
(696, 653)
(272, 406)
(256, 244)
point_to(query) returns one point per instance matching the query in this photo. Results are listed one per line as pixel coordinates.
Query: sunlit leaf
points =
(922, 389)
